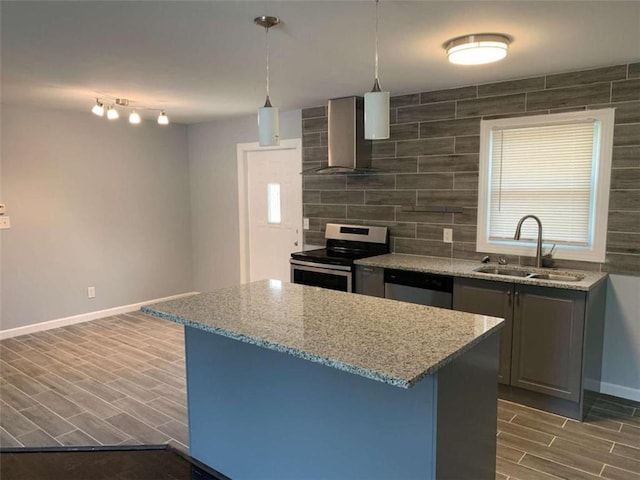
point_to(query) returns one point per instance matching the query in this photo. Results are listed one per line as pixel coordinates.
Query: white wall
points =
(214, 194)
(95, 203)
(621, 362)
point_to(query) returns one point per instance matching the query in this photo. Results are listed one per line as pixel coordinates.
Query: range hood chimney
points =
(349, 152)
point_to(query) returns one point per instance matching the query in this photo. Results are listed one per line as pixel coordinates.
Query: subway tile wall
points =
(432, 160)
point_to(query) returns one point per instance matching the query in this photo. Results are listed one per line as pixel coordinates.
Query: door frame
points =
(243, 149)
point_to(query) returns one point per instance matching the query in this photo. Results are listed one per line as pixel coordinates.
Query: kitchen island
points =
(293, 382)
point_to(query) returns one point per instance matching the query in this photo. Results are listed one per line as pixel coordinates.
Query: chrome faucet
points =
(539, 246)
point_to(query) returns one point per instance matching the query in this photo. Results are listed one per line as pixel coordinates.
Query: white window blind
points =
(556, 167)
(546, 171)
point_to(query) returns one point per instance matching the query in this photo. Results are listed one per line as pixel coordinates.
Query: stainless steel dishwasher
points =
(417, 287)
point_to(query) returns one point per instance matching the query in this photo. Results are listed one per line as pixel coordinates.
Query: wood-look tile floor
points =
(120, 380)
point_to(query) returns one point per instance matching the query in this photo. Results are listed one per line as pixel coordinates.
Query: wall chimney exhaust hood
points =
(349, 152)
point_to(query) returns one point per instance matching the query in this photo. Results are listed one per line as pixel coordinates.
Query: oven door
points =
(335, 277)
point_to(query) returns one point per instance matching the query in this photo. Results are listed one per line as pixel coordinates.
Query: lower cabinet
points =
(493, 299)
(542, 341)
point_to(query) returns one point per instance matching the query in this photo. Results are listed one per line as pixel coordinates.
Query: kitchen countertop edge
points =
(162, 311)
(466, 269)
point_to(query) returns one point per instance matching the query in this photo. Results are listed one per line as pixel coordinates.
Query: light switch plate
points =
(5, 222)
(305, 223)
(447, 235)
(3, 208)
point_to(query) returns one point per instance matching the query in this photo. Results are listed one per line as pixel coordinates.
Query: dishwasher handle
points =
(429, 281)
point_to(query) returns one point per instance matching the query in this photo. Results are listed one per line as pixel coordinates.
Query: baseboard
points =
(84, 317)
(620, 391)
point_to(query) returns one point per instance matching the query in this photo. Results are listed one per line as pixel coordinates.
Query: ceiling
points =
(203, 61)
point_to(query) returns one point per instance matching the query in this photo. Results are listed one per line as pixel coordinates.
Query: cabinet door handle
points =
(509, 296)
(518, 298)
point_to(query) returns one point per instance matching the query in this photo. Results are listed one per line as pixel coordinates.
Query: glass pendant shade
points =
(163, 119)
(268, 126)
(98, 109)
(112, 113)
(134, 118)
(376, 115)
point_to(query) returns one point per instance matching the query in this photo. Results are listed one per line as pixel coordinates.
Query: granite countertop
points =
(466, 268)
(385, 340)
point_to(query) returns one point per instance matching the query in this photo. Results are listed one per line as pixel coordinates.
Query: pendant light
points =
(376, 104)
(268, 121)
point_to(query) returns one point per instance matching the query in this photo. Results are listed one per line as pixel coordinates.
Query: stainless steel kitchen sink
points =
(560, 277)
(514, 272)
(511, 272)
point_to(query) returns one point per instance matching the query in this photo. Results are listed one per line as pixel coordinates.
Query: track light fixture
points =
(112, 113)
(123, 103)
(163, 119)
(98, 108)
(134, 117)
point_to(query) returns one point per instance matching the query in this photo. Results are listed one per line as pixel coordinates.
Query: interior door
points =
(274, 204)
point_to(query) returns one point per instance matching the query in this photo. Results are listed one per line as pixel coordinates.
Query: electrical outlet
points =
(305, 223)
(447, 235)
(4, 222)
(91, 292)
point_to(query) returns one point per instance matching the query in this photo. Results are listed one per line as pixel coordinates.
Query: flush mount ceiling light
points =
(134, 116)
(268, 121)
(477, 49)
(376, 103)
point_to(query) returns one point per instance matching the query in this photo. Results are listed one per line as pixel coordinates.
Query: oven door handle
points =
(321, 266)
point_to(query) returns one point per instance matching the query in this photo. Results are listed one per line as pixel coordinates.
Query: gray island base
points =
(294, 382)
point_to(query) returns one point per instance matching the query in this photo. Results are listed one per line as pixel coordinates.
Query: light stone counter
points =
(385, 340)
(466, 268)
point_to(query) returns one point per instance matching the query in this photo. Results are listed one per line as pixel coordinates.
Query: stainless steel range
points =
(333, 267)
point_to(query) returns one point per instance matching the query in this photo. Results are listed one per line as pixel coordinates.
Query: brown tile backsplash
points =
(511, 86)
(429, 111)
(569, 96)
(432, 160)
(583, 77)
(450, 94)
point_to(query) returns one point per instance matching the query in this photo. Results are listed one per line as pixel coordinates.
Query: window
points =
(556, 167)
(273, 203)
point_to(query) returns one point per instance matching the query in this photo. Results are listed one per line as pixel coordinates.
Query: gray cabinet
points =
(541, 342)
(494, 299)
(370, 281)
(548, 327)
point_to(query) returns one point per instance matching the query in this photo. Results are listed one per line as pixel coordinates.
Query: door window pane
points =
(273, 203)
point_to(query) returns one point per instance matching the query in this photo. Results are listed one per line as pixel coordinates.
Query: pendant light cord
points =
(376, 83)
(376, 58)
(266, 30)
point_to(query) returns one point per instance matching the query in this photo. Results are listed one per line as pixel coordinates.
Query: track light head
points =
(134, 117)
(163, 119)
(112, 113)
(98, 108)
